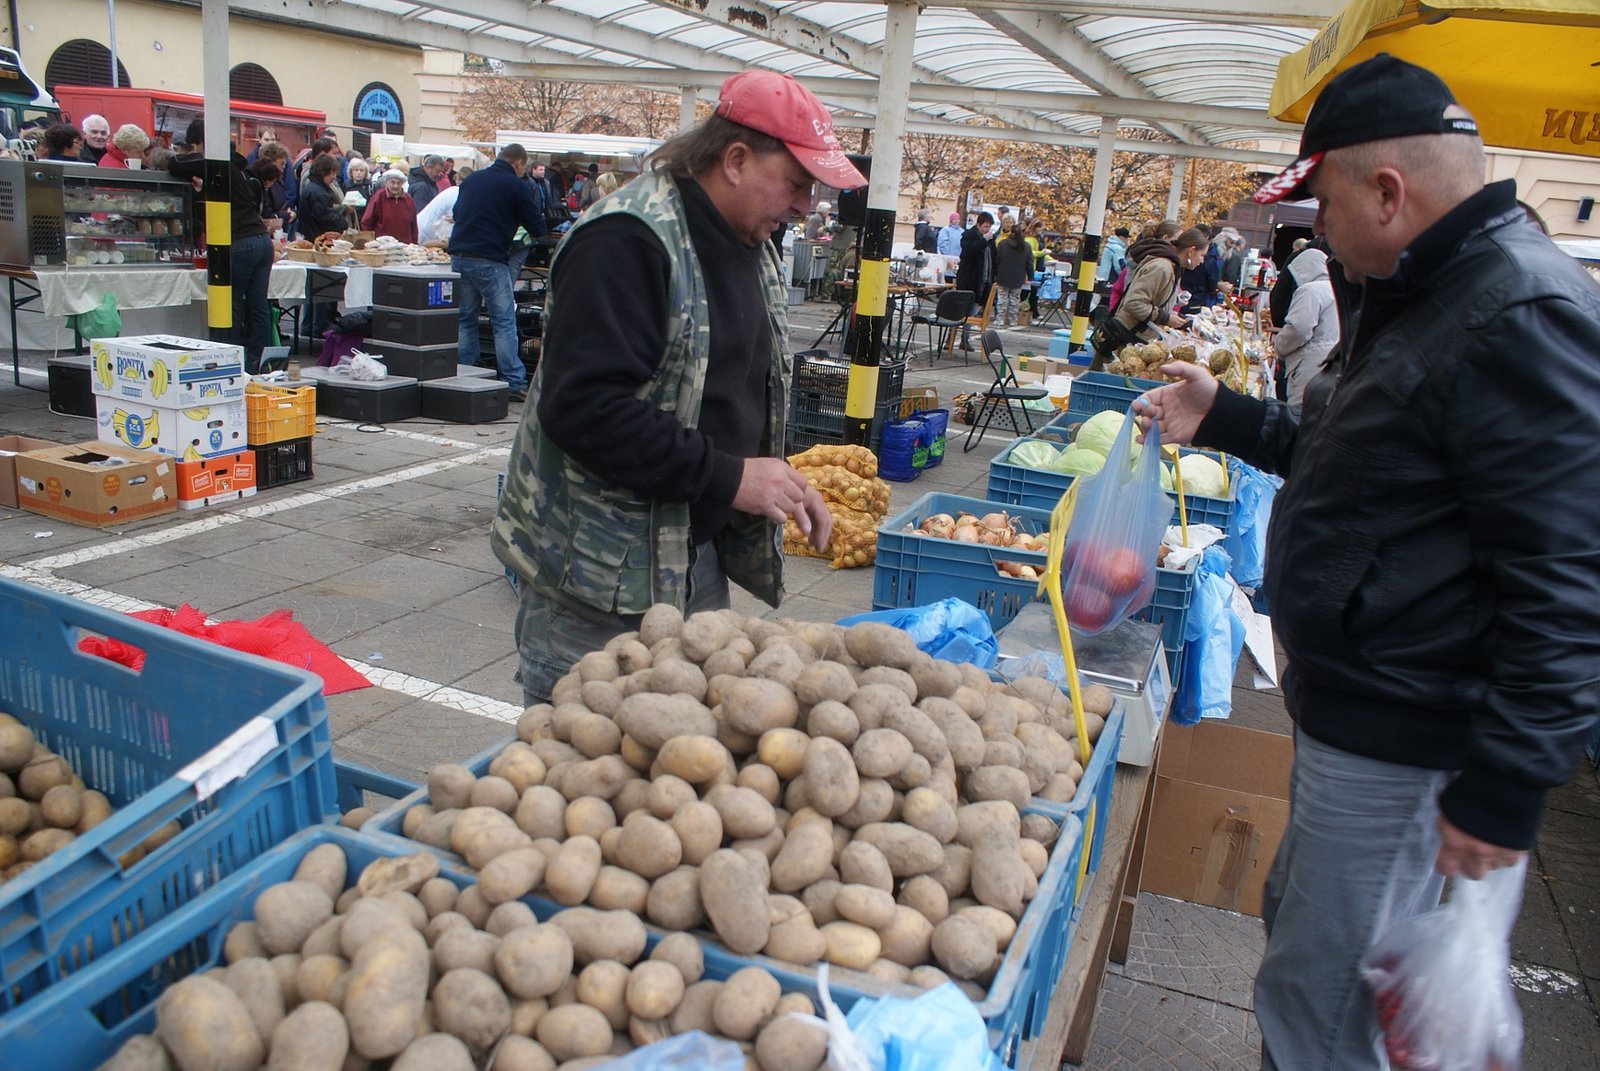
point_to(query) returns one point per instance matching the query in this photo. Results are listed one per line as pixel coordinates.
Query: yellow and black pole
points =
(216, 188)
(883, 192)
(1093, 230)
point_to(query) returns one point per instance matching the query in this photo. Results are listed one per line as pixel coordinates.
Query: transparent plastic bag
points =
(1440, 980)
(1108, 565)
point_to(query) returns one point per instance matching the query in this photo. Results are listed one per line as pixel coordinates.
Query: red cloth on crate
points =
(277, 636)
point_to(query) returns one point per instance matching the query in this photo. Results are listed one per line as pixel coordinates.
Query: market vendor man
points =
(1433, 559)
(648, 467)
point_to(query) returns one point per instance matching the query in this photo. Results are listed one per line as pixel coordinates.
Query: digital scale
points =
(1127, 659)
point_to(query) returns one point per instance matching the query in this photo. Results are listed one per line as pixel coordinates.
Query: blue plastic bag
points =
(1246, 544)
(938, 421)
(694, 1051)
(1213, 635)
(897, 451)
(951, 629)
(938, 1031)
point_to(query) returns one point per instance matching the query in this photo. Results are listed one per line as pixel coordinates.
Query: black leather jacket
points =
(1433, 560)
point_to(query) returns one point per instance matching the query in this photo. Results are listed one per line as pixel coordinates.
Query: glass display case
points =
(77, 215)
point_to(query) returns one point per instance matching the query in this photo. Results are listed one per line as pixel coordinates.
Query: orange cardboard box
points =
(216, 479)
(96, 484)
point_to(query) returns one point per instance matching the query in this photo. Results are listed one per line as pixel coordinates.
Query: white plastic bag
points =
(366, 367)
(1440, 980)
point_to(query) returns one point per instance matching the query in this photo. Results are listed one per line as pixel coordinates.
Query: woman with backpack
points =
(1155, 265)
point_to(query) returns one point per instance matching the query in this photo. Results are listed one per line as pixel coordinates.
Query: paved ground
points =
(384, 556)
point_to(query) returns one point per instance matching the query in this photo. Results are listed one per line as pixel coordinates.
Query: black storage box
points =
(372, 402)
(416, 362)
(69, 386)
(414, 290)
(466, 400)
(280, 463)
(474, 371)
(414, 327)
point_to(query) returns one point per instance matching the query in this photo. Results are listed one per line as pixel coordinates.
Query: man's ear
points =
(1391, 189)
(734, 160)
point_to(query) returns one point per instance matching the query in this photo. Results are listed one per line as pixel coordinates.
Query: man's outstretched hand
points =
(773, 488)
(1177, 407)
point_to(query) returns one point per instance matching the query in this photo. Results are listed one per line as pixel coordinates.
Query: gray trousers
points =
(1358, 853)
(553, 632)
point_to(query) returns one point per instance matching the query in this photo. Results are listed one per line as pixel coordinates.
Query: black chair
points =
(949, 313)
(1001, 395)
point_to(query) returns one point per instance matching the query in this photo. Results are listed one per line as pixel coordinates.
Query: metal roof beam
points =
(1312, 13)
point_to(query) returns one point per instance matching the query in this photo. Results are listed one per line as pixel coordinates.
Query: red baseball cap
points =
(778, 106)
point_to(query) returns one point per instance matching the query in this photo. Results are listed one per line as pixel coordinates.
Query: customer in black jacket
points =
(321, 200)
(976, 269)
(423, 182)
(1433, 560)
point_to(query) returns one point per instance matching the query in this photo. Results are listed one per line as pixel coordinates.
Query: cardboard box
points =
(217, 479)
(1030, 378)
(918, 400)
(187, 434)
(96, 484)
(1221, 806)
(10, 447)
(167, 370)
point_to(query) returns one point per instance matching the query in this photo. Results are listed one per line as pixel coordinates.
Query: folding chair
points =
(980, 321)
(949, 313)
(1000, 396)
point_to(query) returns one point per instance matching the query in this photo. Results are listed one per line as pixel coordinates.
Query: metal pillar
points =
(883, 194)
(218, 202)
(1175, 191)
(1093, 225)
(111, 29)
(687, 97)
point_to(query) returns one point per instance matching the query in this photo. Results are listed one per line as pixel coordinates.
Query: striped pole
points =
(219, 171)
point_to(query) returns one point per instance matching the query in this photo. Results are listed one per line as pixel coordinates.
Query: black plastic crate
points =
(463, 400)
(414, 290)
(70, 392)
(416, 362)
(285, 462)
(380, 402)
(414, 327)
(799, 435)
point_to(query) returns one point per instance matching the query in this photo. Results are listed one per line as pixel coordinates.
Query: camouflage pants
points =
(553, 632)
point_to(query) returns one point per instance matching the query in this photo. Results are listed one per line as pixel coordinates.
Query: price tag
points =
(231, 759)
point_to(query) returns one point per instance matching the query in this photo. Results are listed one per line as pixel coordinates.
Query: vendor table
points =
(897, 333)
(1105, 923)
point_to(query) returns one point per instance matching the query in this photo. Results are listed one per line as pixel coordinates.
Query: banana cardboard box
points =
(96, 484)
(189, 434)
(165, 370)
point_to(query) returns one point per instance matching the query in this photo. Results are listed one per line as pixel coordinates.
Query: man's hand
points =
(775, 489)
(1462, 853)
(1177, 407)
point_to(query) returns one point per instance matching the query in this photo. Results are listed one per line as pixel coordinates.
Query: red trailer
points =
(164, 114)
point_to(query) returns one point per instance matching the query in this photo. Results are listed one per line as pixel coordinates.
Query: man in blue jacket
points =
(490, 206)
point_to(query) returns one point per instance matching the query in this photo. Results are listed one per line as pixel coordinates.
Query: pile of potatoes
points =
(808, 792)
(405, 970)
(44, 804)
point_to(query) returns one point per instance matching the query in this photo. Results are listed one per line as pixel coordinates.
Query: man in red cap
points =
(648, 468)
(1431, 560)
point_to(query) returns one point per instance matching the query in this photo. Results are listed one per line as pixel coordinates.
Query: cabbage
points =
(1203, 476)
(1166, 477)
(1099, 432)
(1078, 461)
(1034, 454)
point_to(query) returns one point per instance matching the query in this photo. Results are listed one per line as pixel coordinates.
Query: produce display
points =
(1143, 360)
(45, 805)
(1086, 455)
(405, 969)
(847, 477)
(803, 790)
(335, 248)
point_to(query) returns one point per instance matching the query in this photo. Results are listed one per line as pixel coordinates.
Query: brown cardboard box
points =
(76, 484)
(10, 447)
(1030, 378)
(1221, 806)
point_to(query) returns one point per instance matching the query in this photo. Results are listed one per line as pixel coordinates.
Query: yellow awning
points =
(1528, 71)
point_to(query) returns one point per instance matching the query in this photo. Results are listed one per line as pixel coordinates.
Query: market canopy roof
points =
(540, 143)
(1525, 69)
(1195, 71)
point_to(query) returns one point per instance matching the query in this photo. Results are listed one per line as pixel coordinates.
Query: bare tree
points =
(936, 163)
(494, 101)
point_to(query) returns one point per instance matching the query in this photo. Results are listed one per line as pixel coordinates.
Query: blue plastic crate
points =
(1098, 392)
(915, 570)
(146, 739)
(354, 781)
(1042, 489)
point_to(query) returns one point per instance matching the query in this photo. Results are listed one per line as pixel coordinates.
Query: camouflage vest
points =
(575, 536)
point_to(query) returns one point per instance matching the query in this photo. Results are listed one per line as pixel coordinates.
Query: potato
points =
(242, 942)
(435, 1052)
(602, 777)
(927, 976)
(696, 759)
(908, 851)
(655, 989)
(465, 947)
(574, 1030)
(659, 622)
(603, 985)
(35, 846)
(513, 915)
(745, 814)
(935, 677)
(588, 816)
(403, 873)
(286, 914)
(889, 971)
(962, 736)
(926, 810)
(649, 847)
(206, 1027)
(695, 1010)
(881, 753)
(999, 783)
(796, 940)
(62, 807)
(754, 706)
(870, 907)
(1059, 789)
(653, 719)
(786, 1044)
(779, 664)
(519, 1053)
(14, 815)
(875, 802)
(616, 889)
(735, 900)
(434, 829)
(519, 764)
(698, 829)
(387, 987)
(449, 786)
(833, 720)
(850, 944)
(368, 918)
(824, 681)
(862, 864)
(1002, 925)
(318, 975)
(873, 702)
(16, 747)
(324, 866)
(494, 792)
(674, 900)
(872, 643)
(963, 947)
(906, 938)
(313, 1037)
(832, 783)
(1097, 699)
(542, 813)
(805, 857)
(570, 875)
(977, 822)
(925, 895)
(617, 935)
(255, 982)
(533, 961)
(471, 1005)
(511, 876)
(745, 1002)
(42, 773)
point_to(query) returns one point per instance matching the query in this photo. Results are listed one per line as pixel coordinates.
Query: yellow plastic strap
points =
(861, 395)
(1177, 486)
(872, 288)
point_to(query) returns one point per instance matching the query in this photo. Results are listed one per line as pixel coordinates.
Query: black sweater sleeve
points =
(605, 340)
